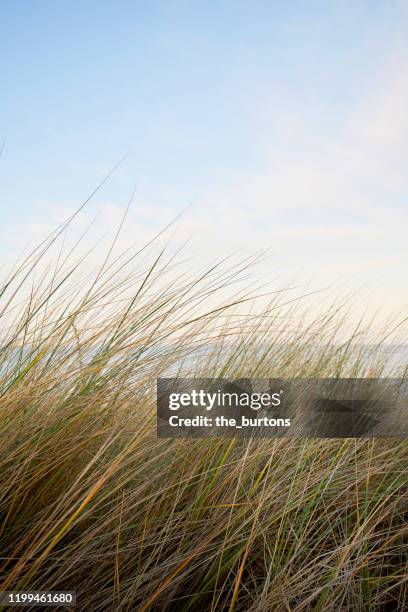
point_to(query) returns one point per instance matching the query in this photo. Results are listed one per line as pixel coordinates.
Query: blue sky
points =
(283, 122)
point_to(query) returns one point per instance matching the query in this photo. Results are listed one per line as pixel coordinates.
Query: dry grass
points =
(91, 500)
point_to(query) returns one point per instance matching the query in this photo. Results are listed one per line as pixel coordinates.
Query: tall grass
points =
(92, 501)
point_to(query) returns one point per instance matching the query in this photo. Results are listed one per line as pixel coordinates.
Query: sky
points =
(283, 125)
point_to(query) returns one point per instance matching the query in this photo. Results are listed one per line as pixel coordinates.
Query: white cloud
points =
(333, 202)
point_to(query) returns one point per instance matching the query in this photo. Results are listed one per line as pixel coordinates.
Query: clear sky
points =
(285, 123)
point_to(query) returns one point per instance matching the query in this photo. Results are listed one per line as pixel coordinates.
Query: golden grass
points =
(92, 501)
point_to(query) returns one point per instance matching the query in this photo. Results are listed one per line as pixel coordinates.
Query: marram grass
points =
(92, 501)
